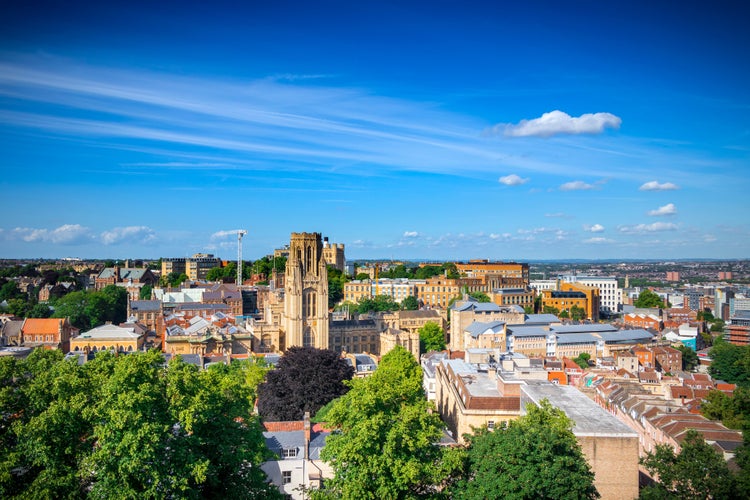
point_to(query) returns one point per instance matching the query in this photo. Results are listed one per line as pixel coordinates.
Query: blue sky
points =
(435, 130)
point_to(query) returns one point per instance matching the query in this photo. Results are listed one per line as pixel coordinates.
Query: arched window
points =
(308, 338)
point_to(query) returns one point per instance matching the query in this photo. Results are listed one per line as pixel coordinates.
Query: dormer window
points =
(289, 453)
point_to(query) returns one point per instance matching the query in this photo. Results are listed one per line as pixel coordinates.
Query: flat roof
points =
(589, 419)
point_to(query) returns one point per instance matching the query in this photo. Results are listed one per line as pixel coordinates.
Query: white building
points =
(610, 293)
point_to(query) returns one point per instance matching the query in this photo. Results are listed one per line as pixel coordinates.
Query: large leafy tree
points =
(127, 427)
(336, 280)
(431, 337)
(87, 309)
(648, 299)
(689, 357)
(377, 303)
(410, 303)
(305, 379)
(386, 434)
(697, 471)
(536, 456)
(731, 363)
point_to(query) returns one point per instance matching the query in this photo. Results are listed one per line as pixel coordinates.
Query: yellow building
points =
(110, 338)
(592, 296)
(496, 274)
(573, 295)
(439, 292)
(523, 297)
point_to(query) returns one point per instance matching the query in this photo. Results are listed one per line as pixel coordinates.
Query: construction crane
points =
(240, 234)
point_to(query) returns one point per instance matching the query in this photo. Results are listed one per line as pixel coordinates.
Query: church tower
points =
(306, 293)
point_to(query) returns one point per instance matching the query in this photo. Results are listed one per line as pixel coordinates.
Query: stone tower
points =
(306, 293)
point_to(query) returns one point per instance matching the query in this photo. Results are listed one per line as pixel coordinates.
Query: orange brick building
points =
(50, 333)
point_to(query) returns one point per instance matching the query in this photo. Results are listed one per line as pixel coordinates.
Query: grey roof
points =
(145, 305)
(541, 319)
(528, 331)
(421, 313)
(576, 338)
(589, 419)
(195, 306)
(589, 328)
(284, 440)
(12, 328)
(471, 305)
(477, 328)
(126, 273)
(624, 336)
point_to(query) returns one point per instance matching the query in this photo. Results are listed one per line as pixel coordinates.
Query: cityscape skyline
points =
(404, 130)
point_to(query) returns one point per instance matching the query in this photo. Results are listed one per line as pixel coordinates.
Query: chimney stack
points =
(306, 428)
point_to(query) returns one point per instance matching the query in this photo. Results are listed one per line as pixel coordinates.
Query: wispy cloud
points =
(513, 180)
(557, 122)
(577, 186)
(668, 209)
(649, 228)
(68, 234)
(410, 234)
(595, 228)
(598, 240)
(130, 234)
(657, 186)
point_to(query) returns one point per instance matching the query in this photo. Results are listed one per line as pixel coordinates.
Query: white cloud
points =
(410, 234)
(67, 234)
(649, 228)
(561, 215)
(223, 234)
(668, 209)
(598, 240)
(558, 122)
(576, 186)
(129, 234)
(596, 228)
(656, 186)
(513, 180)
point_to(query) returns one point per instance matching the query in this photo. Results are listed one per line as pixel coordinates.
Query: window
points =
(289, 453)
(490, 424)
(286, 477)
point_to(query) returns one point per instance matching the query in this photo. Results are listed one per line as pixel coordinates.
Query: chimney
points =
(306, 428)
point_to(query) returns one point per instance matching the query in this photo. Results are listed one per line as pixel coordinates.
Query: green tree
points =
(384, 445)
(10, 291)
(564, 314)
(377, 303)
(39, 311)
(733, 411)
(431, 337)
(698, 471)
(689, 357)
(717, 325)
(536, 456)
(362, 276)
(648, 299)
(550, 310)
(582, 360)
(145, 292)
(730, 362)
(336, 280)
(410, 303)
(480, 296)
(577, 313)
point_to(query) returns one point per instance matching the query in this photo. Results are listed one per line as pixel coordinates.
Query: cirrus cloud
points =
(649, 228)
(67, 234)
(576, 186)
(513, 180)
(668, 209)
(656, 186)
(129, 234)
(598, 240)
(558, 122)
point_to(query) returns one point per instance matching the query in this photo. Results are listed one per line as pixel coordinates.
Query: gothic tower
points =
(306, 293)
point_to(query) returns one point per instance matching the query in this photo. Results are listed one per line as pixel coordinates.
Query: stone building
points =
(110, 337)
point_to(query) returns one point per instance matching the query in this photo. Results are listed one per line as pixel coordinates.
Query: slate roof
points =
(284, 440)
(541, 319)
(528, 331)
(593, 327)
(470, 305)
(625, 336)
(126, 273)
(576, 338)
(422, 313)
(110, 332)
(478, 328)
(145, 305)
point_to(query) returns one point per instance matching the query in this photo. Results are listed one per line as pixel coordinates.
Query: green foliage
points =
(564, 314)
(648, 299)
(305, 379)
(336, 280)
(410, 303)
(39, 311)
(717, 325)
(127, 427)
(89, 309)
(10, 291)
(480, 296)
(582, 360)
(377, 303)
(577, 313)
(145, 292)
(698, 471)
(536, 456)
(384, 444)
(431, 337)
(550, 310)
(173, 279)
(731, 363)
(689, 357)
(362, 277)
(733, 411)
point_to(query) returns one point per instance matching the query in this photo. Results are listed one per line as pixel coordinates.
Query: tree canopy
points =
(697, 471)
(127, 427)
(536, 456)
(336, 280)
(304, 380)
(384, 445)
(731, 363)
(480, 296)
(648, 299)
(431, 337)
(89, 309)
(410, 303)
(689, 357)
(378, 303)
